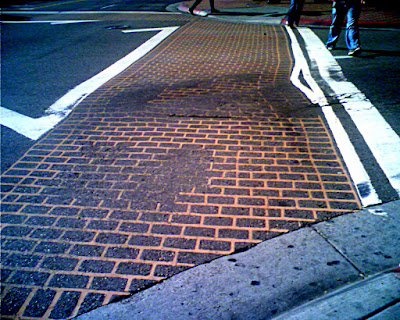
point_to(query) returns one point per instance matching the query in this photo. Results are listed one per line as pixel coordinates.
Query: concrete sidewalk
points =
(355, 253)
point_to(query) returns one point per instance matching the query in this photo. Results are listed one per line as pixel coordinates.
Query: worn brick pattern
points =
(192, 153)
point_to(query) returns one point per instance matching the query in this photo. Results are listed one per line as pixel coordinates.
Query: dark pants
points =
(295, 9)
(197, 2)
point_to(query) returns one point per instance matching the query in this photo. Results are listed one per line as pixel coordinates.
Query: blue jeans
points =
(351, 10)
(295, 9)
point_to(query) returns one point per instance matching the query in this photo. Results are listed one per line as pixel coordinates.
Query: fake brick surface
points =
(195, 151)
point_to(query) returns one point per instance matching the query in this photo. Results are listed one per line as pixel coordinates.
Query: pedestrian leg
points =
(352, 30)
(194, 5)
(212, 7)
(291, 16)
(299, 10)
(338, 14)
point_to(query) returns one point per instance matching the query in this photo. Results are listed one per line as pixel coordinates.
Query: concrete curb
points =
(382, 292)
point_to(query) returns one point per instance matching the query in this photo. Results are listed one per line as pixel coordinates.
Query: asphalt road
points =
(41, 62)
(376, 74)
(89, 5)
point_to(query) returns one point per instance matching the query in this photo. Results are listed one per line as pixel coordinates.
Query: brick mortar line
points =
(33, 204)
(161, 246)
(320, 180)
(218, 142)
(140, 249)
(113, 182)
(195, 141)
(206, 202)
(194, 134)
(202, 129)
(198, 22)
(247, 196)
(50, 308)
(120, 79)
(226, 161)
(83, 292)
(80, 302)
(81, 259)
(25, 304)
(117, 260)
(339, 160)
(278, 57)
(91, 276)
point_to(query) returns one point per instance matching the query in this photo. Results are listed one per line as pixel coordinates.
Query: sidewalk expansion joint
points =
(379, 310)
(331, 244)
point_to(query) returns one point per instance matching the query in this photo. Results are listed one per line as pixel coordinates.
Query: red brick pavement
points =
(199, 149)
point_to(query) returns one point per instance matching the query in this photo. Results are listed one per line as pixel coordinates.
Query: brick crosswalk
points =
(195, 151)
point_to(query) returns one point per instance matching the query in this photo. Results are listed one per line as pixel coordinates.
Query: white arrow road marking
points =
(29, 127)
(34, 128)
(359, 175)
(381, 139)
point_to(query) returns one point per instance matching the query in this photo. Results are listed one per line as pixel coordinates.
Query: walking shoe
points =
(290, 25)
(330, 47)
(355, 52)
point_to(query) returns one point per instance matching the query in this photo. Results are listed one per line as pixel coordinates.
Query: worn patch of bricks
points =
(192, 153)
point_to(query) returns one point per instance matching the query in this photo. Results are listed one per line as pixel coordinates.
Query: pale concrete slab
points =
(390, 313)
(257, 284)
(369, 238)
(356, 301)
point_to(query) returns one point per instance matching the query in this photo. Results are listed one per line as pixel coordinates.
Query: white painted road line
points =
(35, 128)
(359, 175)
(142, 30)
(48, 21)
(28, 11)
(343, 57)
(382, 140)
(313, 92)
